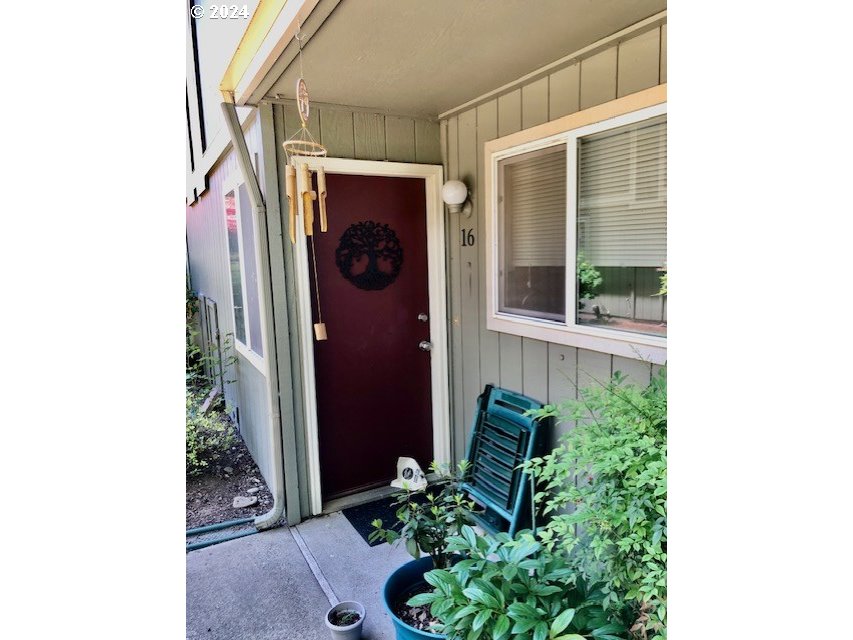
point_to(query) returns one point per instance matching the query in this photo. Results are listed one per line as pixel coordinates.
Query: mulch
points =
(418, 617)
(210, 496)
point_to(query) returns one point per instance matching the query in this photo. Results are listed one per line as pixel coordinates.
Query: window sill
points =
(251, 357)
(629, 345)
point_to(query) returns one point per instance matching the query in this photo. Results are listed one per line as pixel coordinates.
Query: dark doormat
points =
(384, 509)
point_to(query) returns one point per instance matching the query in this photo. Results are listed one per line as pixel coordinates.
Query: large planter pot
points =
(348, 632)
(402, 580)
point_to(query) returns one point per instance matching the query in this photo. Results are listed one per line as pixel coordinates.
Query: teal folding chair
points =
(501, 439)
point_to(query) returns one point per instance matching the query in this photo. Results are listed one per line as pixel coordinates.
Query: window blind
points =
(622, 196)
(535, 208)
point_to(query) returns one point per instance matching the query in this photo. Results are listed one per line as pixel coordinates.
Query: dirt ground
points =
(210, 496)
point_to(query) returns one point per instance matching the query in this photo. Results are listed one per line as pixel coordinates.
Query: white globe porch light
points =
(454, 193)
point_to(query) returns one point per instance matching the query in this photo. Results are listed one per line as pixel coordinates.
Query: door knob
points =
(425, 345)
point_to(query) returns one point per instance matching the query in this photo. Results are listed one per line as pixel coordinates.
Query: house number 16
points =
(467, 237)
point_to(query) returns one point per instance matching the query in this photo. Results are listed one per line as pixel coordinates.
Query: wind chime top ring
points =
(304, 148)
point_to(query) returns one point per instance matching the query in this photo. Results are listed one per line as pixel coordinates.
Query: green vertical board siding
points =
(271, 130)
(254, 418)
(621, 287)
(564, 91)
(562, 372)
(336, 132)
(546, 371)
(509, 121)
(509, 113)
(427, 142)
(292, 122)
(399, 139)
(598, 78)
(636, 372)
(290, 317)
(369, 133)
(649, 305)
(534, 357)
(534, 103)
(562, 381)
(593, 368)
(460, 420)
(490, 348)
(511, 367)
(469, 266)
(639, 63)
(208, 261)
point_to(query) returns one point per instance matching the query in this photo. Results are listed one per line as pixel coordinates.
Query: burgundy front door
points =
(373, 380)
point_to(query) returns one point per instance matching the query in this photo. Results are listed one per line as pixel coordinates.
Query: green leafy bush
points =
(507, 588)
(429, 522)
(589, 279)
(605, 486)
(209, 435)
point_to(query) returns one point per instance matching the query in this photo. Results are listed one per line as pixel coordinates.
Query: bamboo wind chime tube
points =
(321, 198)
(308, 197)
(290, 186)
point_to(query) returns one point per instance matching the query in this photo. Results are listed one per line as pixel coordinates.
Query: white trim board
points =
(436, 275)
(232, 182)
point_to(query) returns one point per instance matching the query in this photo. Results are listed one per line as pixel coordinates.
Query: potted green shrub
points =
(605, 486)
(345, 620)
(515, 588)
(428, 518)
(597, 568)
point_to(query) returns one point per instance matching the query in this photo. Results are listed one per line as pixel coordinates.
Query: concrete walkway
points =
(262, 587)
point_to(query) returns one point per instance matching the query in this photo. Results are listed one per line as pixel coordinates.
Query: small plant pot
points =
(350, 631)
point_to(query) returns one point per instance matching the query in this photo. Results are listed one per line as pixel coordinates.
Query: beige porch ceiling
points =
(424, 57)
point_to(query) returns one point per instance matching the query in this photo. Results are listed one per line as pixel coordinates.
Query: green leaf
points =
(562, 621)
(412, 548)
(541, 631)
(467, 610)
(481, 618)
(522, 611)
(478, 595)
(546, 590)
(524, 550)
(501, 627)
(470, 536)
(570, 636)
(439, 578)
(523, 625)
(423, 598)
(607, 630)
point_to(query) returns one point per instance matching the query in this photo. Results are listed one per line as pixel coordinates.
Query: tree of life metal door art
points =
(302, 143)
(369, 255)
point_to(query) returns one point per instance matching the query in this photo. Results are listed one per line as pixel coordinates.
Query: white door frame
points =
(433, 176)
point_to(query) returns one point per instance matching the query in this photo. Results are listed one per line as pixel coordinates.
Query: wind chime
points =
(303, 144)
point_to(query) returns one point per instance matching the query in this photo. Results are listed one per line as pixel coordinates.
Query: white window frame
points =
(233, 183)
(567, 130)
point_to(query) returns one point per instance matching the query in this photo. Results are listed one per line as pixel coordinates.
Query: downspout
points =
(238, 141)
